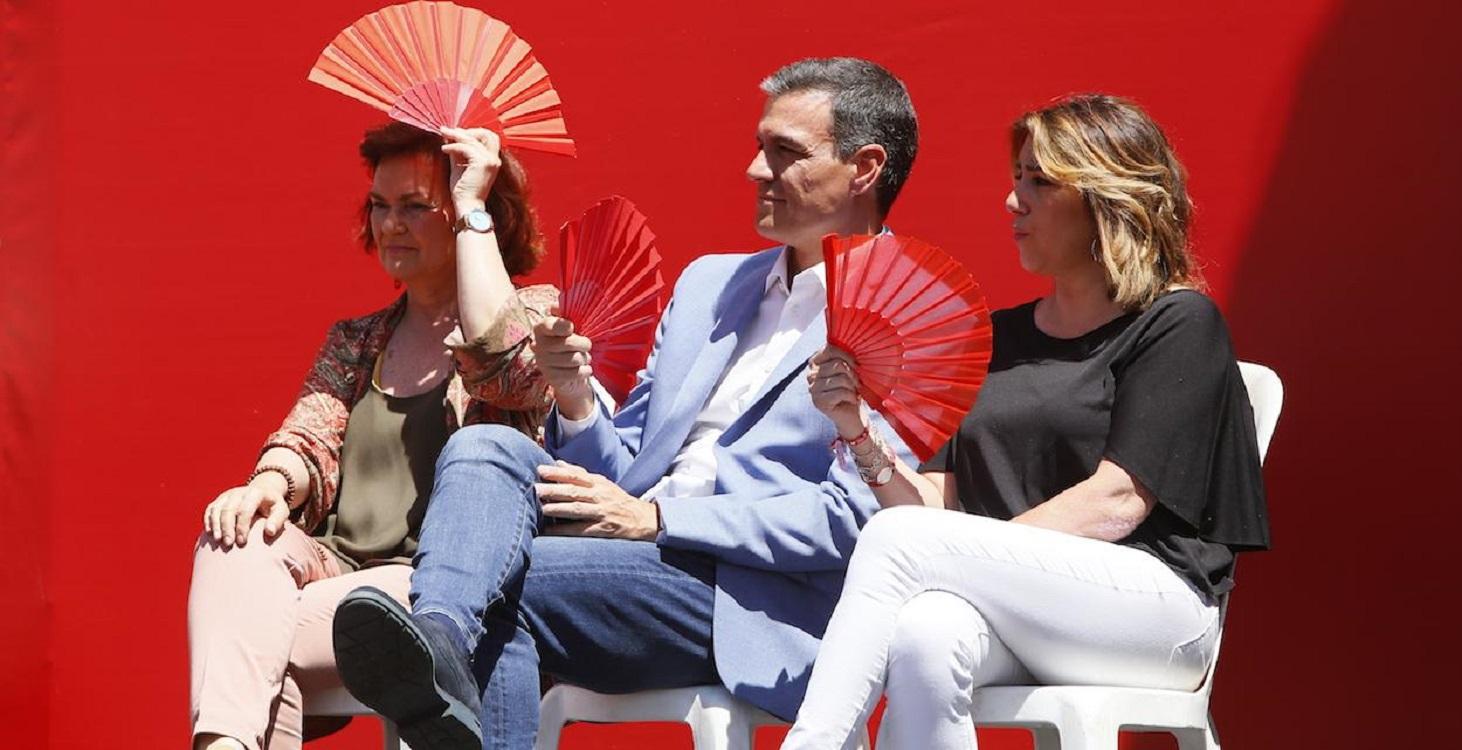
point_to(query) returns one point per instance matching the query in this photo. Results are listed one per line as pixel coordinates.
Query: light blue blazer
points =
(786, 511)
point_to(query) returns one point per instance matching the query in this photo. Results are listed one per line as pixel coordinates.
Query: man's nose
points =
(757, 170)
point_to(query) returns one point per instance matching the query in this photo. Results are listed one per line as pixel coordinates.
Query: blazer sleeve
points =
(801, 529)
(609, 445)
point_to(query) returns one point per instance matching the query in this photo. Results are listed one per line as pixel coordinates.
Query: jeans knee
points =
(494, 443)
(473, 441)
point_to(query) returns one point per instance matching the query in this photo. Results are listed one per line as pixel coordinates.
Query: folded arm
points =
(1109, 505)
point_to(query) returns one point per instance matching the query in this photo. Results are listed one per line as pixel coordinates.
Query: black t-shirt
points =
(1158, 393)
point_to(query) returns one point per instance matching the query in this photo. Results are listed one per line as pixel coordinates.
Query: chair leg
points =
(740, 732)
(1046, 737)
(1196, 739)
(1077, 734)
(713, 728)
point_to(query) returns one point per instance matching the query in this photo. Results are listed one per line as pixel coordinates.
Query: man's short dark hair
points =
(870, 105)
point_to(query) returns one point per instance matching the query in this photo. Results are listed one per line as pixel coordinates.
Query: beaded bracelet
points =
(280, 470)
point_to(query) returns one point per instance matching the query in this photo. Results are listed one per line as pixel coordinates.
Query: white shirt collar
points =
(779, 270)
(778, 275)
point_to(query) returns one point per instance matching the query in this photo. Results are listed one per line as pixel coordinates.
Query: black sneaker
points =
(408, 669)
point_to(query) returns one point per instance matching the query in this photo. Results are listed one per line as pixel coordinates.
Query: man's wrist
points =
(659, 520)
(576, 409)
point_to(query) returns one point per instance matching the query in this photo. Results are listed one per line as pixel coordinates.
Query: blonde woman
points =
(1108, 473)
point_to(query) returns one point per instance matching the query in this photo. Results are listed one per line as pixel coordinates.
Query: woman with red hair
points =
(337, 497)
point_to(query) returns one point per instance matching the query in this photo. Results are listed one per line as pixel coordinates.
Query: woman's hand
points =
(229, 518)
(834, 390)
(476, 158)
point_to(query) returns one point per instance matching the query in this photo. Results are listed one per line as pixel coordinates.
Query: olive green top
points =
(386, 464)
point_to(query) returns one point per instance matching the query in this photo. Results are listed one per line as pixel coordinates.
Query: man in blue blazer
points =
(699, 534)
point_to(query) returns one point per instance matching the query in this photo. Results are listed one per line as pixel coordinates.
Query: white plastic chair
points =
(718, 720)
(339, 702)
(1083, 717)
(1266, 396)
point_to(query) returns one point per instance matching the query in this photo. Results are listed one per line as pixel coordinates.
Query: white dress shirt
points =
(784, 313)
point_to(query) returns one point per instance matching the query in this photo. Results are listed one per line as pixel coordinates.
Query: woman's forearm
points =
(483, 286)
(291, 462)
(1109, 505)
(906, 486)
(909, 487)
(833, 388)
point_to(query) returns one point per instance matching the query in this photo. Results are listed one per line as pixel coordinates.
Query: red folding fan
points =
(436, 65)
(917, 328)
(612, 289)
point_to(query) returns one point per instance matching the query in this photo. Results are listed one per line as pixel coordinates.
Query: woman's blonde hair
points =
(1110, 150)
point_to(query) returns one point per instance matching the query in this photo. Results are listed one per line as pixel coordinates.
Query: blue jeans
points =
(610, 615)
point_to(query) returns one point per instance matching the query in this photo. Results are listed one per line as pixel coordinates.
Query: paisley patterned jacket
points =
(495, 381)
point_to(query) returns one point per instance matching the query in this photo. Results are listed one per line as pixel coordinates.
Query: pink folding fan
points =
(436, 65)
(612, 289)
(917, 328)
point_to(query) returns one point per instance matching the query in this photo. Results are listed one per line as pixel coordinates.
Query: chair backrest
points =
(1266, 398)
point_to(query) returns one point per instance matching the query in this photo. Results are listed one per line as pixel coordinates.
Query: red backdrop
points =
(177, 204)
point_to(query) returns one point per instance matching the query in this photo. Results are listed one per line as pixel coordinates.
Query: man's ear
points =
(868, 162)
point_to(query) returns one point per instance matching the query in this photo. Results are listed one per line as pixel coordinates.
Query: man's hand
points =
(563, 358)
(592, 505)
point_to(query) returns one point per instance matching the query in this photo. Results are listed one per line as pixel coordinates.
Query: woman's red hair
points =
(515, 222)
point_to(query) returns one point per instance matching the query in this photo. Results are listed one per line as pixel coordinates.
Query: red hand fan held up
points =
(612, 289)
(436, 65)
(918, 330)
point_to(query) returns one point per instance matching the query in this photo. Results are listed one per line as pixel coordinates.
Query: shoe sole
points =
(386, 664)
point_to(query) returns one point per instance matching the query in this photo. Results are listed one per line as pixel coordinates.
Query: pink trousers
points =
(259, 635)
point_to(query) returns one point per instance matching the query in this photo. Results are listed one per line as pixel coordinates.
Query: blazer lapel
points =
(735, 308)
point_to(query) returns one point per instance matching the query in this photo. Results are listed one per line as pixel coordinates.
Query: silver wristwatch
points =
(876, 476)
(477, 220)
(876, 466)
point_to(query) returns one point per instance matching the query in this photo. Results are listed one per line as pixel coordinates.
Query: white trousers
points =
(938, 603)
